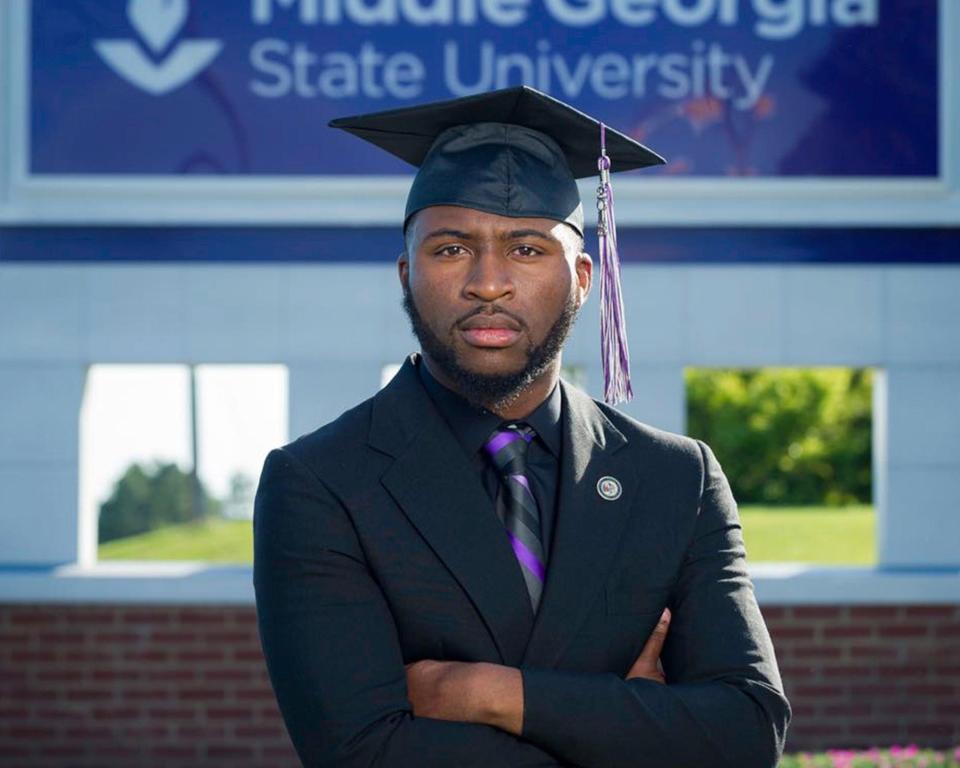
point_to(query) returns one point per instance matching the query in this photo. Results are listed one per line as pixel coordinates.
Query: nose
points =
(489, 278)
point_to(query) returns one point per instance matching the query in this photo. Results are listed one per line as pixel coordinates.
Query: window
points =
(138, 498)
(795, 444)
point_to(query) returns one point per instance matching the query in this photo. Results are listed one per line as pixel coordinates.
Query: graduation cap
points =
(518, 152)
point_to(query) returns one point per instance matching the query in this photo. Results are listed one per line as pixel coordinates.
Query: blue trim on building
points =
(667, 245)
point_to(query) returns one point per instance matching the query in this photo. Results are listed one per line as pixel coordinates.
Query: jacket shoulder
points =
(335, 446)
(669, 450)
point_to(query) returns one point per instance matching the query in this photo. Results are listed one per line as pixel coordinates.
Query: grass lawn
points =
(826, 535)
(221, 541)
(843, 535)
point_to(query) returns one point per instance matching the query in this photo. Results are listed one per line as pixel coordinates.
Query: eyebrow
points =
(512, 235)
(449, 233)
(520, 233)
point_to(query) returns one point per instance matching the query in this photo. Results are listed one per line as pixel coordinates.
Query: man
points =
(481, 565)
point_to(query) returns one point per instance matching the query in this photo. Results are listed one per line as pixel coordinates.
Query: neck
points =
(517, 406)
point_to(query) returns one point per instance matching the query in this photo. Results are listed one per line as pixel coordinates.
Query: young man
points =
(481, 565)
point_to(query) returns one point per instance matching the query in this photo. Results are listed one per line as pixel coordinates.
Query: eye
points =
(450, 250)
(526, 251)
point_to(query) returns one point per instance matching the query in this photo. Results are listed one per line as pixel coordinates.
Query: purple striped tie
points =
(516, 505)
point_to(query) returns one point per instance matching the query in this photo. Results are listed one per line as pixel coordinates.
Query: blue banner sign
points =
(775, 88)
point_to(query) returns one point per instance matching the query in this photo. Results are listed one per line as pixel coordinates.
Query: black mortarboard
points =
(517, 152)
(513, 152)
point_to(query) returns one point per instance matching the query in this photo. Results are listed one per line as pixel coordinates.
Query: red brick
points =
(903, 630)
(91, 617)
(880, 729)
(174, 712)
(87, 655)
(200, 694)
(203, 616)
(818, 651)
(846, 710)
(847, 672)
(804, 612)
(114, 714)
(932, 611)
(145, 694)
(819, 691)
(88, 732)
(32, 693)
(790, 632)
(146, 617)
(89, 694)
(31, 732)
(148, 656)
(848, 630)
(231, 751)
(260, 732)
(201, 733)
(230, 713)
(175, 751)
(58, 674)
(254, 655)
(931, 689)
(175, 637)
(236, 673)
(168, 674)
(112, 675)
(254, 694)
(33, 617)
(59, 713)
(875, 612)
(817, 729)
(873, 651)
(36, 655)
(902, 670)
(870, 690)
(211, 655)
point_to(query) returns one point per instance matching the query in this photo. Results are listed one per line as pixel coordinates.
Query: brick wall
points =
(170, 686)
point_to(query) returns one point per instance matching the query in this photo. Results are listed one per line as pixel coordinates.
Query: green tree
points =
(786, 435)
(145, 498)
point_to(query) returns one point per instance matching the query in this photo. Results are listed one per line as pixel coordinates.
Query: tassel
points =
(613, 329)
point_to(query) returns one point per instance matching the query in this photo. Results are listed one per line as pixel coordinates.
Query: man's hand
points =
(468, 692)
(647, 664)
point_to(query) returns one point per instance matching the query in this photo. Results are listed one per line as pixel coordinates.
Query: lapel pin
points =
(609, 488)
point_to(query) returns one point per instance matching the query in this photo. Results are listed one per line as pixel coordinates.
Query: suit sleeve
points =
(723, 704)
(331, 646)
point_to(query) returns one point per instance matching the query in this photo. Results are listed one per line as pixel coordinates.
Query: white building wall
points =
(336, 325)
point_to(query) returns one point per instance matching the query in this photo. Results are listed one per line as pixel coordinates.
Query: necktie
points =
(516, 505)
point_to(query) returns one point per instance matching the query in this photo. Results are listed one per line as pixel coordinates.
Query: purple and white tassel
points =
(613, 329)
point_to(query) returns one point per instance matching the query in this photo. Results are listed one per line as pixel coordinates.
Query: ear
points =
(403, 269)
(584, 270)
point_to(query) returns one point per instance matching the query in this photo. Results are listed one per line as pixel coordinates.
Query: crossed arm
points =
(492, 694)
(348, 700)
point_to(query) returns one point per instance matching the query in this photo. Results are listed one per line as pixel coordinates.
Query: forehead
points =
(481, 223)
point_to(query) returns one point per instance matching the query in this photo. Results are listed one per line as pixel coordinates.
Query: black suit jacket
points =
(376, 545)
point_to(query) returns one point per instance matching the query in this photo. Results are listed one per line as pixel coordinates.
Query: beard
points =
(492, 390)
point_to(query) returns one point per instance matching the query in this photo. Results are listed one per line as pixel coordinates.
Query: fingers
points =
(654, 645)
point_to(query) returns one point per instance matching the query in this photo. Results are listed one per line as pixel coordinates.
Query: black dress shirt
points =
(473, 426)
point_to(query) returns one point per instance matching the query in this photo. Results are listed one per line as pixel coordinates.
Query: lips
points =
(490, 331)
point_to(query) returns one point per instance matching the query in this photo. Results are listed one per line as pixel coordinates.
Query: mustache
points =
(492, 309)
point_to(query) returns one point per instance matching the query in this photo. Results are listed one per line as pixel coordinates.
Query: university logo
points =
(157, 22)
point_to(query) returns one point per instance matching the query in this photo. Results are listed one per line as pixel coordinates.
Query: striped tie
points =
(516, 505)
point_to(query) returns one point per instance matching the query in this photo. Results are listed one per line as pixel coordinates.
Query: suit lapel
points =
(588, 526)
(440, 493)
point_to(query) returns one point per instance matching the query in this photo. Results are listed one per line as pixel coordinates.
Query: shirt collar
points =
(473, 425)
